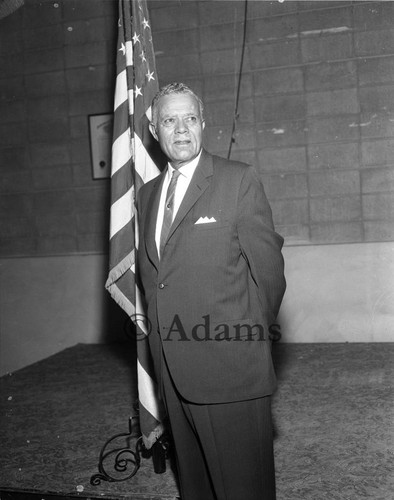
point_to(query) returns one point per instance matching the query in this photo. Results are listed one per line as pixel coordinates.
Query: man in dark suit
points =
(211, 271)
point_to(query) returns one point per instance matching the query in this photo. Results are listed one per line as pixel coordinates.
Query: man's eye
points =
(191, 119)
(168, 122)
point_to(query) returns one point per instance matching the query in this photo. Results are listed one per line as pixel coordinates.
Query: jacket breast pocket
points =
(207, 226)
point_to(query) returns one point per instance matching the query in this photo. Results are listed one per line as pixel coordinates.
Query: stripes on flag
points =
(133, 165)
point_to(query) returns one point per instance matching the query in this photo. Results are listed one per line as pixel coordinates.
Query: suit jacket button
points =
(161, 286)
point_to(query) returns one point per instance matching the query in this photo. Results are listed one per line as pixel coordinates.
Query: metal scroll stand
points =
(121, 454)
(126, 460)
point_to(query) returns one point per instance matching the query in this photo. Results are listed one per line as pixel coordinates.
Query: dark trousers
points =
(223, 451)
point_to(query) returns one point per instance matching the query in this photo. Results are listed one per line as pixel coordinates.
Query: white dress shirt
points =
(182, 184)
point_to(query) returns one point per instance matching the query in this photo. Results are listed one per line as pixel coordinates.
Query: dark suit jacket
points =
(217, 287)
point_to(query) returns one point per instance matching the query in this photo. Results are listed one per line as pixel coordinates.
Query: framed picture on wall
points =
(100, 131)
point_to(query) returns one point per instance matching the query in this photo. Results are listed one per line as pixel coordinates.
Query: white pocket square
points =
(205, 220)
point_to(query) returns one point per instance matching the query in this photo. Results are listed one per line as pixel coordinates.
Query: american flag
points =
(133, 165)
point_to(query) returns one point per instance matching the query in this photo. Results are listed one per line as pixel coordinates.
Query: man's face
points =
(179, 128)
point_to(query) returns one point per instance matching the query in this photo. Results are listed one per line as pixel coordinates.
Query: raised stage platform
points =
(333, 415)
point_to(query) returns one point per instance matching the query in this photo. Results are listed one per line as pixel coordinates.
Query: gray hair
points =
(174, 88)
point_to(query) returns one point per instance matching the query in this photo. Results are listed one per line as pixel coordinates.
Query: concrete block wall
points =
(315, 115)
(57, 68)
(316, 110)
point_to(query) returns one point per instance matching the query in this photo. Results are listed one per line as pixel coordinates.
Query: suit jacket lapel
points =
(198, 184)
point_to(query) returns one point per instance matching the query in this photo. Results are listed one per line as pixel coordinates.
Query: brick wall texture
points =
(315, 114)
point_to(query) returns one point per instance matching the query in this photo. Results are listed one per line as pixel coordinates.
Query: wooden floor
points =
(333, 416)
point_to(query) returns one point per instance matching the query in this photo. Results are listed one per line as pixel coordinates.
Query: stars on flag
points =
(137, 91)
(136, 38)
(145, 23)
(122, 49)
(150, 76)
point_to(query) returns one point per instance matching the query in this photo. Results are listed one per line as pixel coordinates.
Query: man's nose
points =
(181, 126)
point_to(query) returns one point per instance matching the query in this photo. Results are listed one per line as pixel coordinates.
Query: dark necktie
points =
(168, 210)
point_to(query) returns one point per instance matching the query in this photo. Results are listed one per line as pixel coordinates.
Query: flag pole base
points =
(126, 460)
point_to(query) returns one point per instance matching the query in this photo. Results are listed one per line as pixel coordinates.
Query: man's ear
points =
(203, 124)
(152, 129)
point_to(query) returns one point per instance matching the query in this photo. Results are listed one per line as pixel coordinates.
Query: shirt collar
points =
(186, 170)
